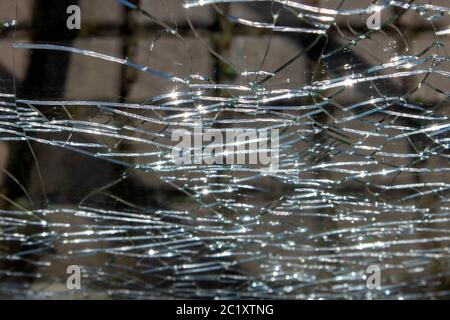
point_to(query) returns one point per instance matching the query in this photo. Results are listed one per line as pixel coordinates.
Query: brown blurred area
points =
(35, 175)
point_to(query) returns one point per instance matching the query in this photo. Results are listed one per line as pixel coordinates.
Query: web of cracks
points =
(363, 163)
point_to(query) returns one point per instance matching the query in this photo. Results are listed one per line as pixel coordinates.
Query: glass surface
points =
(343, 106)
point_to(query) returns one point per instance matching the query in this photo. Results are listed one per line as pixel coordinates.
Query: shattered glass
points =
(88, 179)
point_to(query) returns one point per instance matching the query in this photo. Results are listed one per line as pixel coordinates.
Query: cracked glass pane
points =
(315, 164)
